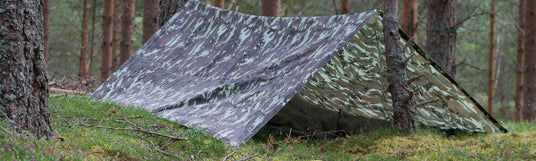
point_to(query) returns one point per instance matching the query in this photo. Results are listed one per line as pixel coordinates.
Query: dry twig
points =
(138, 130)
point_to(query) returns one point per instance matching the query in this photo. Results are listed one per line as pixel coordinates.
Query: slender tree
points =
(46, 22)
(151, 23)
(441, 34)
(345, 4)
(23, 80)
(529, 74)
(518, 98)
(127, 28)
(409, 18)
(92, 37)
(491, 68)
(403, 110)
(219, 3)
(116, 34)
(84, 67)
(271, 8)
(107, 36)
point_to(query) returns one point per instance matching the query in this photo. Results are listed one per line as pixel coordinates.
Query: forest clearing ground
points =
(76, 141)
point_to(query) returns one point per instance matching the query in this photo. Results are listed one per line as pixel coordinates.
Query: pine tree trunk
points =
(151, 10)
(518, 98)
(127, 28)
(491, 68)
(403, 110)
(84, 74)
(46, 22)
(168, 8)
(219, 3)
(92, 38)
(107, 36)
(270, 8)
(409, 18)
(529, 75)
(116, 34)
(23, 80)
(345, 4)
(441, 34)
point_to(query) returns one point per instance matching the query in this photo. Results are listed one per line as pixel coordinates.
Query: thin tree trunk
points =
(168, 8)
(127, 28)
(92, 38)
(403, 110)
(46, 22)
(345, 5)
(491, 69)
(409, 18)
(23, 80)
(529, 75)
(219, 3)
(441, 34)
(84, 74)
(151, 9)
(116, 34)
(271, 8)
(107, 36)
(518, 98)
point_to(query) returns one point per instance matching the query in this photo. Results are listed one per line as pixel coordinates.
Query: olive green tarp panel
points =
(354, 83)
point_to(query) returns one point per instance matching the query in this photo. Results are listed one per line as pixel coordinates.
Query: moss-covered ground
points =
(74, 118)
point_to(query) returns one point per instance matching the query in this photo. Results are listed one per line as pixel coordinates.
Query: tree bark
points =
(409, 18)
(168, 8)
(116, 34)
(441, 34)
(151, 10)
(345, 4)
(271, 8)
(127, 28)
(107, 36)
(518, 98)
(219, 3)
(46, 22)
(23, 80)
(491, 68)
(529, 75)
(84, 74)
(403, 110)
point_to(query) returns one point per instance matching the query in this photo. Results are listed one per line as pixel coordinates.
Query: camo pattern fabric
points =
(355, 80)
(224, 72)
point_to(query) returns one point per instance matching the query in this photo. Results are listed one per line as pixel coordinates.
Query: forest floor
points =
(92, 130)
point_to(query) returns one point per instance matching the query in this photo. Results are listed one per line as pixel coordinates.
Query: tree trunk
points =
(127, 28)
(107, 36)
(491, 69)
(168, 8)
(441, 34)
(84, 74)
(219, 3)
(271, 8)
(409, 18)
(116, 34)
(23, 80)
(529, 75)
(345, 4)
(92, 37)
(46, 22)
(403, 110)
(151, 10)
(518, 98)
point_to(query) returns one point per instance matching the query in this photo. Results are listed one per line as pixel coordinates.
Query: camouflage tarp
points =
(229, 73)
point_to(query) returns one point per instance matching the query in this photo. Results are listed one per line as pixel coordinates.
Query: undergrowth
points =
(74, 120)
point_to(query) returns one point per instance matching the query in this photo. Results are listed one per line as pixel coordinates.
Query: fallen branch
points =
(138, 130)
(66, 91)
